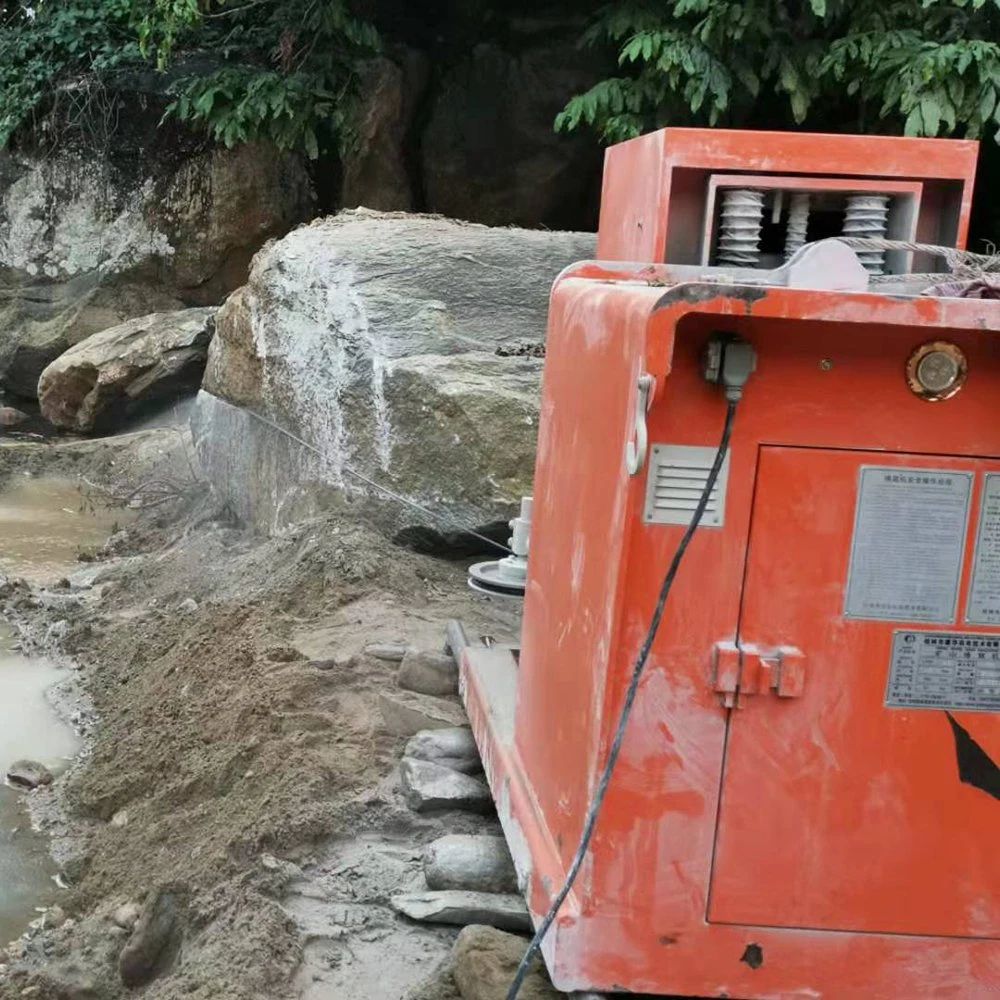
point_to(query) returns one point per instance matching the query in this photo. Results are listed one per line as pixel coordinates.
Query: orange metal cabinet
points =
(807, 802)
(655, 187)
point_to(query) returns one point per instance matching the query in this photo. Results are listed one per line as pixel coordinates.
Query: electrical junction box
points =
(808, 795)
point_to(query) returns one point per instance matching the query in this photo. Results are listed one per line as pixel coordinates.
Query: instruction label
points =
(909, 534)
(983, 606)
(950, 670)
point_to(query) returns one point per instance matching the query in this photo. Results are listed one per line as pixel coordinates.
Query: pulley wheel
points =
(487, 578)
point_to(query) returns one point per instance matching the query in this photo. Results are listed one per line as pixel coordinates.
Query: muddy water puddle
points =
(46, 521)
(29, 728)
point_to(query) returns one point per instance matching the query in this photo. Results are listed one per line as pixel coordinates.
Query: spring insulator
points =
(867, 218)
(739, 227)
(798, 223)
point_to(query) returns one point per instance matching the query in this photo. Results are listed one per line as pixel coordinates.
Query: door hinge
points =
(748, 669)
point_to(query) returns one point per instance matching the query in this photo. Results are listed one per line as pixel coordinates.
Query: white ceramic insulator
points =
(739, 227)
(798, 224)
(866, 218)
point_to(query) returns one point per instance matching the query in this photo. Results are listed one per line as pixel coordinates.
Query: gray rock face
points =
(114, 371)
(11, 416)
(85, 245)
(386, 652)
(375, 170)
(149, 946)
(375, 339)
(507, 912)
(28, 774)
(430, 787)
(475, 864)
(484, 961)
(489, 150)
(406, 713)
(453, 748)
(428, 673)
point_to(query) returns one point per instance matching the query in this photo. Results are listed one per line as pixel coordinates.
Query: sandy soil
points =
(222, 766)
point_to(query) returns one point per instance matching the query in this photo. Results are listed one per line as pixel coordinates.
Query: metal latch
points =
(638, 441)
(745, 670)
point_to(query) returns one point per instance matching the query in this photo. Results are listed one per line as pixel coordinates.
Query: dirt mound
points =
(229, 768)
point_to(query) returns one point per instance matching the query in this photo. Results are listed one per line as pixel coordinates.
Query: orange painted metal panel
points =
(875, 832)
(643, 914)
(639, 178)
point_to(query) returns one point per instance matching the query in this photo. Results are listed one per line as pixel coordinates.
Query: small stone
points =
(126, 916)
(55, 916)
(454, 748)
(484, 961)
(188, 605)
(345, 661)
(504, 910)
(428, 673)
(120, 818)
(474, 864)
(407, 713)
(141, 956)
(386, 651)
(117, 932)
(28, 774)
(10, 416)
(430, 786)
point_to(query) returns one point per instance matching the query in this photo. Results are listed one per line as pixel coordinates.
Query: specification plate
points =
(984, 594)
(909, 534)
(950, 670)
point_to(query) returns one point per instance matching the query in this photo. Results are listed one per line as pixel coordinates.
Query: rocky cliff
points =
(88, 241)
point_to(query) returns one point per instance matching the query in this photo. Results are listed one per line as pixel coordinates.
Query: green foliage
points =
(280, 70)
(287, 69)
(54, 40)
(923, 67)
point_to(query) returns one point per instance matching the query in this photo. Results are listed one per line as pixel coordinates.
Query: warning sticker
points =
(984, 594)
(951, 670)
(909, 534)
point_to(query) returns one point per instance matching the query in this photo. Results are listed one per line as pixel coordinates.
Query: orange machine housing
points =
(807, 803)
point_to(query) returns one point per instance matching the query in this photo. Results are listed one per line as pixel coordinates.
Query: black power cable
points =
(640, 664)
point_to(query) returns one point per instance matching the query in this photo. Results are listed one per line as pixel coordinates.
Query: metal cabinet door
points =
(838, 810)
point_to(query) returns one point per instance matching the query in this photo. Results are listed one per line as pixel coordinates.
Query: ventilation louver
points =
(675, 481)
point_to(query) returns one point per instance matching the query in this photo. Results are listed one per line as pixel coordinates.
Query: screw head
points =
(826, 364)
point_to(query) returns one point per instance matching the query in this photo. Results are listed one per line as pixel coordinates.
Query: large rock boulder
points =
(484, 962)
(91, 237)
(127, 366)
(489, 151)
(402, 349)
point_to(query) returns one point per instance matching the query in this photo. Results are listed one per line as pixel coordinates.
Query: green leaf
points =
(800, 106)
(930, 114)
(311, 145)
(987, 103)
